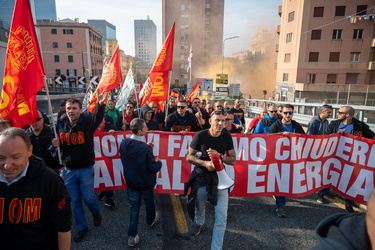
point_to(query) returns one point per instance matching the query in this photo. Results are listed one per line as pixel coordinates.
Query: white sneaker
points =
(133, 240)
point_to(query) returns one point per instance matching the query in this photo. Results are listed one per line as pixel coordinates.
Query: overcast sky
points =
(242, 18)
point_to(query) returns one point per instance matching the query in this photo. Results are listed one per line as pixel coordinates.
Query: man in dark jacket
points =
(317, 126)
(159, 116)
(182, 120)
(35, 207)
(41, 136)
(286, 126)
(147, 114)
(347, 123)
(348, 231)
(76, 142)
(140, 170)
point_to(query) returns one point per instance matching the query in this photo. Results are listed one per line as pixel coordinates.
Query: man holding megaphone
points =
(208, 151)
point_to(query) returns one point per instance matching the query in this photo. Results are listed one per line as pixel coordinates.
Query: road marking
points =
(179, 215)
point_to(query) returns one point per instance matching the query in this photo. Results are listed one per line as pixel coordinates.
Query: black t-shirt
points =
(202, 141)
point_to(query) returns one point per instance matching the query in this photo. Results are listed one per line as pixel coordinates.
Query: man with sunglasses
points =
(265, 123)
(286, 126)
(200, 113)
(181, 120)
(204, 180)
(229, 126)
(239, 114)
(218, 106)
(347, 123)
(129, 115)
(41, 136)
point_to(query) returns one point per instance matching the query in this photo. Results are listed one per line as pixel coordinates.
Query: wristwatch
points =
(221, 156)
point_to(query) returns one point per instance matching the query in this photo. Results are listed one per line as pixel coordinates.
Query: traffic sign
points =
(222, 79)
(58, 80)
(82, 80)
(93, 80)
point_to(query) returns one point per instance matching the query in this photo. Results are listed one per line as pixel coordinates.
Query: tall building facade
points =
(145, 40)
(199, 24)
(326, 51)
(70, 49)
(106, 29)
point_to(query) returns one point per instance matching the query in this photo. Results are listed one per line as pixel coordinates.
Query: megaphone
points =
(224, 180)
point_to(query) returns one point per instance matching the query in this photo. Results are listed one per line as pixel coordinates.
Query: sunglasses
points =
(218, 112)
(219, 106)
(341, 113)
(273, 111)
(38, 119)
(129, 107)
(227, 119)
(181, 107)
(197, 102)
(288, 113)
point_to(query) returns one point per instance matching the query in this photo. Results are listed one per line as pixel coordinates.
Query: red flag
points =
(111, 78)
(175, 93)
(158, 87)
(194, 92)
(23, 74)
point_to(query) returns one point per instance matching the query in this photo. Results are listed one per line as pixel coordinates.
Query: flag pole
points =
(52, 118)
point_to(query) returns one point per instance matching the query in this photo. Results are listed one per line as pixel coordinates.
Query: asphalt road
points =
(252, 224)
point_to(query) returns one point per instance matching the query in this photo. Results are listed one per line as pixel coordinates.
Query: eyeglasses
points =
(218, 106)
(272, 111)
(197, 102)
(341, 113)
(227, 119)
(288, 113)
(181, 107)
(129, 107)
(38, 119)
(218, 112)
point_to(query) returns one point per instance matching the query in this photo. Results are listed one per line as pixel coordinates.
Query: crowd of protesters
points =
(214, 123)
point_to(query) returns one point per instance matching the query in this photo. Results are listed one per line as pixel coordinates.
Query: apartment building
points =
(145, 40)
(326, 51)
(70, 49)
(199, 23)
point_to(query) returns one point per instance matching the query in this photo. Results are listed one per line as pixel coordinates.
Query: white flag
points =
(143, 90)
(190, 58)
(127, 89)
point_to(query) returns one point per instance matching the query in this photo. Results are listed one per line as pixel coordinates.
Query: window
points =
(55, 45)
(184, 76)
(311, 78)
(184, 37)
(337, 35)
(316, 34)
(351, 78)
(57, 72)
(184, 6)
(56, 58)
(70, 58)
(291, 16)
(355, 56)
(182, 57)
(68, 31)
(285, 77)
(331, 78)
(289, 37)
(318, 11)
(71, 72)
(69, 45)
(313, 56)
(361, 10)
(287, 58)
(208, 5)
(357, 34)
(340, 11)
(53, 31)
(334, 56)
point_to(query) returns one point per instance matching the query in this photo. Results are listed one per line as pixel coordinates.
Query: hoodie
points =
(343, 232)
(151, 124)
(43, 209)
(139, 164)
(264, 124)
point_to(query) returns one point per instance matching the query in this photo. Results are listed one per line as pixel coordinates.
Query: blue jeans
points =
(280, 201)
(135, 199)
(80, 184)
(221, 210)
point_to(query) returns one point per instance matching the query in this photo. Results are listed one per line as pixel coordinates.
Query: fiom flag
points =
(194, 92)
(23, 73)
(111, 78)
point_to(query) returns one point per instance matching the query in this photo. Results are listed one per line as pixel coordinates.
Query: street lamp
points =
(222, 59)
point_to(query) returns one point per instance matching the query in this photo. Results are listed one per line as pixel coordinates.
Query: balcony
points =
(371, 65)
(278, 29)
(280, 10)
(277, 48)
